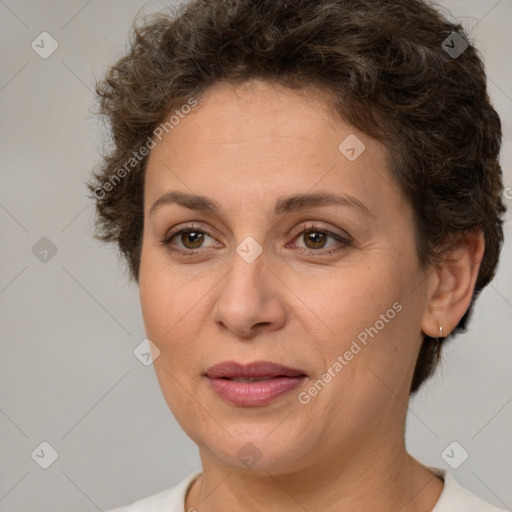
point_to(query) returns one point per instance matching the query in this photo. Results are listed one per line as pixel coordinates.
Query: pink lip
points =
(280, 380)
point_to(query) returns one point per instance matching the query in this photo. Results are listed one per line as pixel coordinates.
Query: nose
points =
(250, 300)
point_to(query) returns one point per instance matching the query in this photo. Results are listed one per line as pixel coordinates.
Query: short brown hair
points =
(387, 64)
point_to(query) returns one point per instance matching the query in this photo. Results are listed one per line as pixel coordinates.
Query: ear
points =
(452, 285)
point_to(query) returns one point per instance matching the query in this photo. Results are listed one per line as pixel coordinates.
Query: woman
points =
(309, 197)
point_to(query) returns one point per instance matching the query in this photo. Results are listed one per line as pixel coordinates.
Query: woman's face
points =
(274, 272)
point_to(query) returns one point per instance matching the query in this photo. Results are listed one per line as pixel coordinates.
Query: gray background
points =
(69, 326)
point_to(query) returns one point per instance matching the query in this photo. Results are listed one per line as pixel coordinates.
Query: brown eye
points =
(192, 239)
(314, 239)
(188, 241)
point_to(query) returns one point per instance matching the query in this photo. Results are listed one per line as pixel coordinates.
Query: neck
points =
(365, 477)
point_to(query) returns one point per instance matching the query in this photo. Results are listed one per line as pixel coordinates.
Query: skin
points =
(247, 146)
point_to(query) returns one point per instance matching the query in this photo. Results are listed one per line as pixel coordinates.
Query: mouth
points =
(254, 379)
(258, 370)
(254, 384)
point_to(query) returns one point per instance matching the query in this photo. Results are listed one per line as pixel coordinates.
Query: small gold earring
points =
(440, 337)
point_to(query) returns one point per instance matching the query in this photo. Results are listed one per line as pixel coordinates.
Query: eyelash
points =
(346, 242)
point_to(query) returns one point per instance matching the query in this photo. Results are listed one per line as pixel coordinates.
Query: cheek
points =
(371, 319)
(171, 308)
(167, 303)
(175, 303)
(351, 300)
(367, 359)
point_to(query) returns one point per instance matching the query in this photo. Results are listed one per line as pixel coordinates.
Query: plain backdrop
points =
(70, 320)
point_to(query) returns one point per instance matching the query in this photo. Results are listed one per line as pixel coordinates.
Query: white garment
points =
(454, 498)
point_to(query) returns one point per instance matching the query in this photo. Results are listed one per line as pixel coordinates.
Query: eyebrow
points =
(295, 203)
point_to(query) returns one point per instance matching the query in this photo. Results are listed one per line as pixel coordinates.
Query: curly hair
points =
(389, 68)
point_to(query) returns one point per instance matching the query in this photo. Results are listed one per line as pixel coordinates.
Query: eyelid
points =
(344, 239)
(190, 226)
(304, 228)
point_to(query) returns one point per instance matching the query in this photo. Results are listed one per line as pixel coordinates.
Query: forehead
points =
(257, 139)
(256, 111)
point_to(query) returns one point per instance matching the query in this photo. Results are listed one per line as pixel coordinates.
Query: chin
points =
(254, 448)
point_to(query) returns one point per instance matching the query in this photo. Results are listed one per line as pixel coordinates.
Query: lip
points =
(276, 380)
